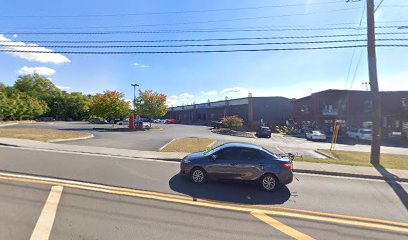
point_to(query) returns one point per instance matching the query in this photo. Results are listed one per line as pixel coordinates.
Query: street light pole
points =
(134, 85)
(375, 95)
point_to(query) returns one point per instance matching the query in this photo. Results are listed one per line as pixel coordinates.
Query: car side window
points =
(227, 154)
(250, 155)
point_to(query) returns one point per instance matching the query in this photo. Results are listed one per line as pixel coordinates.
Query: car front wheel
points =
(268, 182)
(198, 175)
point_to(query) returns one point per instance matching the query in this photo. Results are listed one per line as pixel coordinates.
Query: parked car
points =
(238, 161)
(115, 120)
(315, 135)
(45, 119)
(170, 121)
(216, 124)
(264, 132)
(360, 134)
(97, 121)
(123, 122)
(159, 120)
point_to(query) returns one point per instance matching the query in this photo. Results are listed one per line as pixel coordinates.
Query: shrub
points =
(232, 122)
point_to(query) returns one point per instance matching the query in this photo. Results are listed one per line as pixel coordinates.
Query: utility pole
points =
(375, 95)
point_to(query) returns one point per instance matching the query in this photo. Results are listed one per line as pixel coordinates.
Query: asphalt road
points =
(94, 215)
(153, 140)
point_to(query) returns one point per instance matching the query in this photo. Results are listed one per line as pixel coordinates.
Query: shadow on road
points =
(395, 186)
(235, 192)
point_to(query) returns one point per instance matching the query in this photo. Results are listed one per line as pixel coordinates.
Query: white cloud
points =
(140, 65)
(44, 71)
(177, 100)
(64, 88)
(209, 93)
(51, 57)
(235, 90)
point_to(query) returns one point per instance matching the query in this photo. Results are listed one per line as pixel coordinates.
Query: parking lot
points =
(154, 139)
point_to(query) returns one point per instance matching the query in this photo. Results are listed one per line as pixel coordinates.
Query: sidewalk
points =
(301, 167)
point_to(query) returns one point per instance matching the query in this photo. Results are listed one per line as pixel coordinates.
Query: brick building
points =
(353, 109)
(271, 110)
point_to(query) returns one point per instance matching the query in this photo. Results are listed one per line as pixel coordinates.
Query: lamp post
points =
(132, 115)
(134, 85)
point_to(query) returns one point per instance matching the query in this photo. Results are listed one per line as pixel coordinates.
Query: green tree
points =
(76, 105)
(42, 88)
(151, 104)
(36, 86)
(232, 122)
(110, 104)
(19, 105)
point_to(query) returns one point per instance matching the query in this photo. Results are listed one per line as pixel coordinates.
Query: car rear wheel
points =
(268, 182)
(198, 175)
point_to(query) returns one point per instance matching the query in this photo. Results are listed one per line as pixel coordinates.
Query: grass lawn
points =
(188, 145)
(392, 161)
(40, 134)
(16, 121)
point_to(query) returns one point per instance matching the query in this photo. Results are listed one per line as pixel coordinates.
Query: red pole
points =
(132, 121)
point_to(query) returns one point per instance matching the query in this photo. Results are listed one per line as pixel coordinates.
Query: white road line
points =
(92, 154)
(44, 224)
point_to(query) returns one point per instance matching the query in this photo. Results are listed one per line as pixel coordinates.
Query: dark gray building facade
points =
(271, 111)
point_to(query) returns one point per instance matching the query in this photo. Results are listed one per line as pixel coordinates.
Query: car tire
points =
(198, 175)
(268, 182)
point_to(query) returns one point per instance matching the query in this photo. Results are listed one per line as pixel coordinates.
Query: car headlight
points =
(185, 161)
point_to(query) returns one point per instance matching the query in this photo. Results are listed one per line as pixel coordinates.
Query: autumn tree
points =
(110, 104)
(232, 122)
(151, 104)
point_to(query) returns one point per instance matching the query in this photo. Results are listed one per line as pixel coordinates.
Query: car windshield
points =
(217, 119)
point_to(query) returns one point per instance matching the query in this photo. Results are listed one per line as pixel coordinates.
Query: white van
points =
(360, 134)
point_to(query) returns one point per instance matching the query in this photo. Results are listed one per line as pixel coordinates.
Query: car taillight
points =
(287, 166)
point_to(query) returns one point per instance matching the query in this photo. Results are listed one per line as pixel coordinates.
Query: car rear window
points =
(366, 131)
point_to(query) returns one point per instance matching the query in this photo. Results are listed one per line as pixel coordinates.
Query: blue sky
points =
(187, 78)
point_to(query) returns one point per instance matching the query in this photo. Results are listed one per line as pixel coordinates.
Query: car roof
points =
(246, 145)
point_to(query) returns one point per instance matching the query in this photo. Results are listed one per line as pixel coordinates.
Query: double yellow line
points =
(273, 211)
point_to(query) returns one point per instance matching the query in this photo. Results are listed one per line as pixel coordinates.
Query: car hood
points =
(196, 155)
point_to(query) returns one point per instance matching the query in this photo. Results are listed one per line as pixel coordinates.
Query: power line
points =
(379, 5)
(247, 18)
(354, 50)
(201, 40)
(356, 69)
(201, 51)
(201, 31)
(201, 45)
(135, 26)
(170, 12)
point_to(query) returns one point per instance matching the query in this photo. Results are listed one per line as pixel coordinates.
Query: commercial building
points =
(353, 109)
(270, 111)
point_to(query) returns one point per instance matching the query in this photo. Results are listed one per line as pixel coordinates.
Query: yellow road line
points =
(295, 234)
(401, 224)
(187, 201)
(44, 224)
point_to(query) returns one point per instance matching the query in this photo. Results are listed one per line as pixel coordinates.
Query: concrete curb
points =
(325, 155)
(341, 174)
(8, 124)
(70, 139)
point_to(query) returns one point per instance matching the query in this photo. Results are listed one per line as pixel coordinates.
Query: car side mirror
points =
(214, 157)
